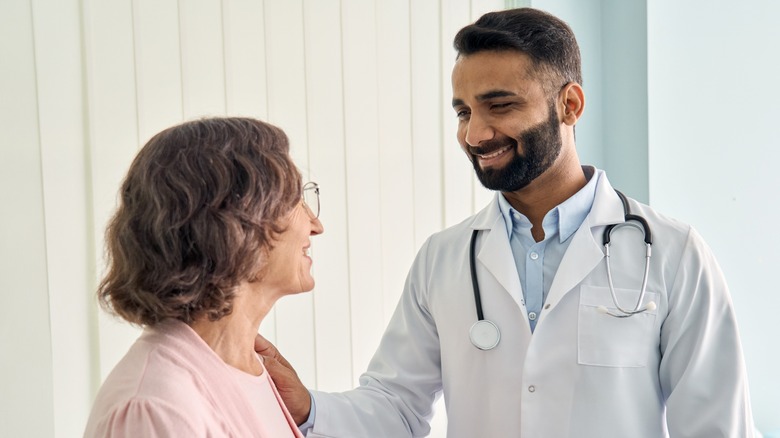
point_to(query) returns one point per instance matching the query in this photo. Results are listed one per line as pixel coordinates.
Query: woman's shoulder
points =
(154, 385)
(151, 416)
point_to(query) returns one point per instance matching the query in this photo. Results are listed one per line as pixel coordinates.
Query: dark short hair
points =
(546, 39)
(199, 205)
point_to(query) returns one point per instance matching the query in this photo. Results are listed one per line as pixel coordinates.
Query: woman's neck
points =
(232, 337)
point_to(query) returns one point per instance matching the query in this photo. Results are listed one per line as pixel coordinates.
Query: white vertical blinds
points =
(361, 88)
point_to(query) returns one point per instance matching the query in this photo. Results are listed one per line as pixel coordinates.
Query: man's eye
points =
(500, 105)
(463, 114)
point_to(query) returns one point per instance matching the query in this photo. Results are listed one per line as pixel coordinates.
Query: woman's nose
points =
(316, 227)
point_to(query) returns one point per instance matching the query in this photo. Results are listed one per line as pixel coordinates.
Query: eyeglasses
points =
(311, 198)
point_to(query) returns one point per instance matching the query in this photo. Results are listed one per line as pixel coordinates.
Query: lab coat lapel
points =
(585, 251)
(494, 251)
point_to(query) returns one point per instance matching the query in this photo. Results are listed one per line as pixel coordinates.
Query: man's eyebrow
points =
(486, 96)
(495, 93)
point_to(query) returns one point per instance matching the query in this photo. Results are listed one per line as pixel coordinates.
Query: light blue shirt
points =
(537, 262)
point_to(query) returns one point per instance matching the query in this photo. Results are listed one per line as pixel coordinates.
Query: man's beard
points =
(541, 146)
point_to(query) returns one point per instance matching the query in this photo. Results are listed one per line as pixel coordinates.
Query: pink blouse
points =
(170, 383)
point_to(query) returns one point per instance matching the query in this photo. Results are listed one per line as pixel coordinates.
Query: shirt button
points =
(532, 316)
(534, 256)
(532, 388)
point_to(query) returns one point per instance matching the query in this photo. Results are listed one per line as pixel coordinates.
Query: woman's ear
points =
(572, 99)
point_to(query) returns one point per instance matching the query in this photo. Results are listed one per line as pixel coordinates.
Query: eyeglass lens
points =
(311, 196)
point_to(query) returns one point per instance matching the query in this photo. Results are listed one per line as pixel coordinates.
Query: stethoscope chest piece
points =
(484, 334)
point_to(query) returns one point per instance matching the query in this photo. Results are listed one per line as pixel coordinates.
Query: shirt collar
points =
(566, 218)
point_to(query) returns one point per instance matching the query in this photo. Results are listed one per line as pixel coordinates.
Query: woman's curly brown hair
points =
(199, 205)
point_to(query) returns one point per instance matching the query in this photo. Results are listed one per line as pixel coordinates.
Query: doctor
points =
(568, 362)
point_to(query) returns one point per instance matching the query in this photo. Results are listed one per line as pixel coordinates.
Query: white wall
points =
(712, 73)
(362, 89)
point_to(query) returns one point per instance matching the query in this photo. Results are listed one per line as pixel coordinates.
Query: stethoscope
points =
(484, 334)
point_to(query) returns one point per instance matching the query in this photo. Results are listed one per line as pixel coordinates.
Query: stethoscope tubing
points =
(474, 282)
(482, 325)
(638, 222)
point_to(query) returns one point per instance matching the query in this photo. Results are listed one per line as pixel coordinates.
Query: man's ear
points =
(572, 103)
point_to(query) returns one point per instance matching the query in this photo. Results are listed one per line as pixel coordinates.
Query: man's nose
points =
(478, 131)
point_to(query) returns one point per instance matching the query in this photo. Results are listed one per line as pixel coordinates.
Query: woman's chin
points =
(304, 287)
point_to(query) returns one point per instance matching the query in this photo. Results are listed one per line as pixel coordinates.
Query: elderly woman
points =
(212, 228)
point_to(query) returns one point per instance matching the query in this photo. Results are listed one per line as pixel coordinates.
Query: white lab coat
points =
(675, 371)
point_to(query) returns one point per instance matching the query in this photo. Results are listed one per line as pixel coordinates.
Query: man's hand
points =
(290, 387)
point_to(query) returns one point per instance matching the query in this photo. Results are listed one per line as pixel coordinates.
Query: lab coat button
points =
(532, 316)
(532, 388)
(534, 256)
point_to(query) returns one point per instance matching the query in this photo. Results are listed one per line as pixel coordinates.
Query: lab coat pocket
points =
(604, 340)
